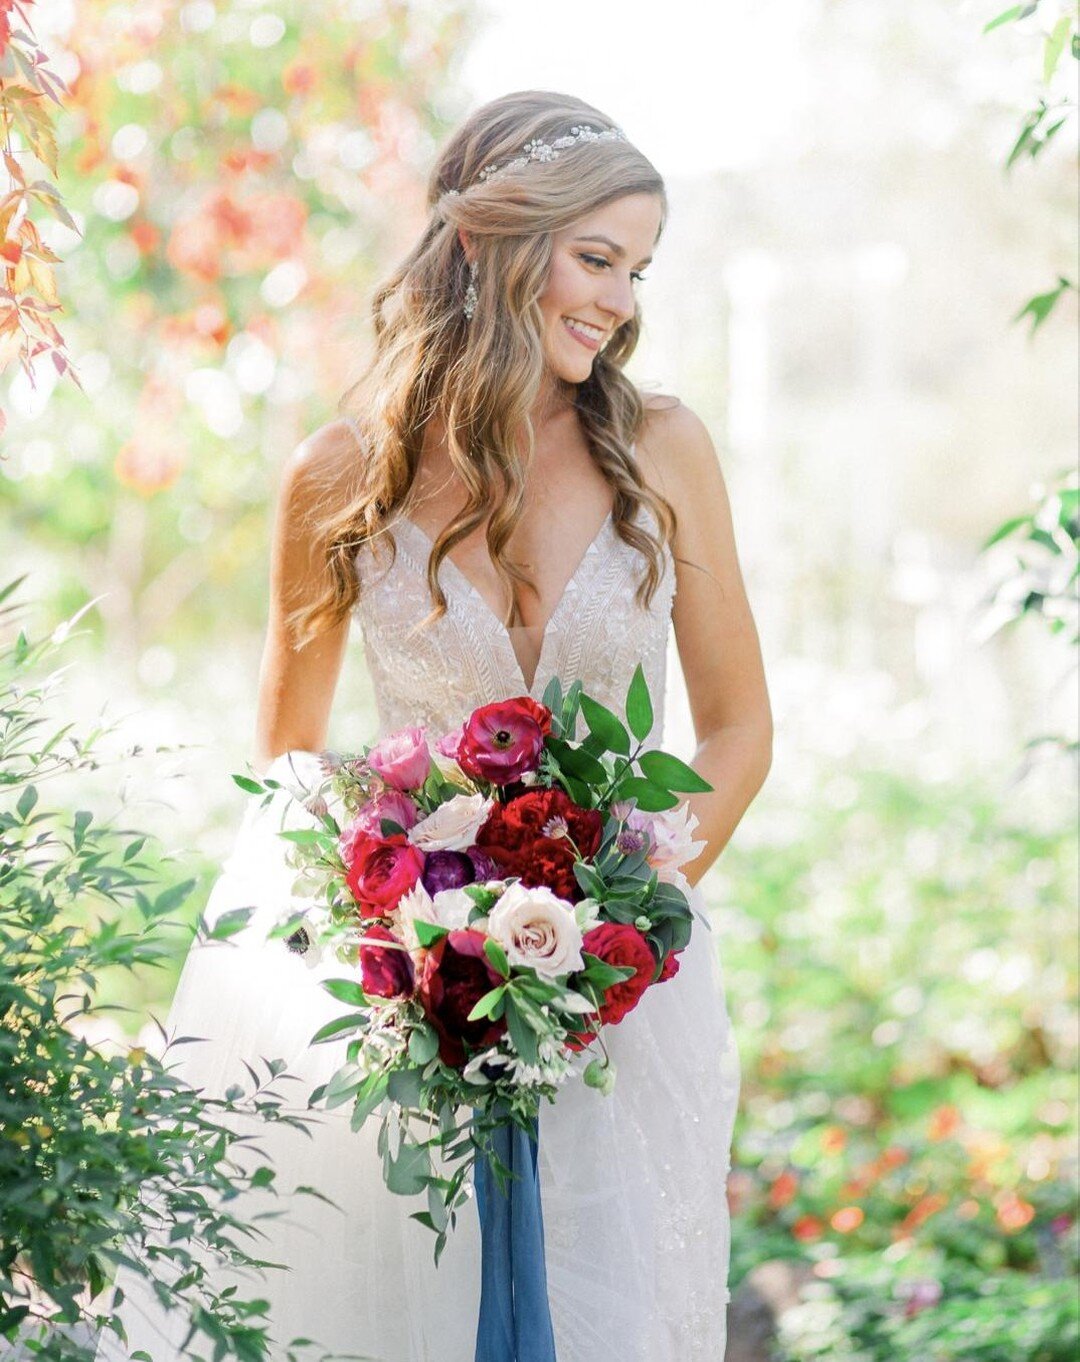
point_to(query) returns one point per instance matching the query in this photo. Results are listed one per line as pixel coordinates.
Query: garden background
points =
(857, 222)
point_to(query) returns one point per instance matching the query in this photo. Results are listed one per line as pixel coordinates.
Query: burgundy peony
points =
(500, 742)
(386, 972)
(514, 837)
(381, 871)
(447, 870)
(454, 977)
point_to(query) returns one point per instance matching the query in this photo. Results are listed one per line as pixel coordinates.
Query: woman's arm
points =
(296, 685)
(715, 632)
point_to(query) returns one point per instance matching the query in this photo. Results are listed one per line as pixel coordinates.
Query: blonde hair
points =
(483, 377)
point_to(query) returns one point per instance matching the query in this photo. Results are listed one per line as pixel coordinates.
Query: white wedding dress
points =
(633, 1184)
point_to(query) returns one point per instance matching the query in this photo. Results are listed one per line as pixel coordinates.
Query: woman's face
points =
(595, 264)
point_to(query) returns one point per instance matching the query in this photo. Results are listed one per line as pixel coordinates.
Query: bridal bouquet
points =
(498, 895)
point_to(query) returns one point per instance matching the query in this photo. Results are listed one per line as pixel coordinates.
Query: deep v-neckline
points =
(467, 586)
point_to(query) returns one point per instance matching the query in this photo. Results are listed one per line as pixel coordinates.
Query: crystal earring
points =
(471, 296)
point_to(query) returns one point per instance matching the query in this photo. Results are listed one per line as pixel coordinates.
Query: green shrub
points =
(105, 1158)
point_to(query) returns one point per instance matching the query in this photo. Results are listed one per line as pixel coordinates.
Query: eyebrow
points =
(614, 246)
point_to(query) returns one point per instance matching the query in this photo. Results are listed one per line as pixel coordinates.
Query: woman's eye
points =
(599, 260)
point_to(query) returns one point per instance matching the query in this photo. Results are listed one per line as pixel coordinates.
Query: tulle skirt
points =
(633, 1183)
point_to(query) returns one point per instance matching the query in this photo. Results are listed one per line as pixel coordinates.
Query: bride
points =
(502, 505)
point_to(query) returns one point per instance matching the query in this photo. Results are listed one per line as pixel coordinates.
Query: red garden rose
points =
(619, 943)
(500, 742)
(454, 977)
(670, 967)
(533, 836)
(381, 871)
(385, 973)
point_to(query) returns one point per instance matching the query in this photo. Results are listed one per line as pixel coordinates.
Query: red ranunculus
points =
(386, 973)
(500, 742)
(454, 977)
(513, 836)
(381, 871)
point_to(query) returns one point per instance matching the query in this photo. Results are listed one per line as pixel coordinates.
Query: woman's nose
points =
(618, 296)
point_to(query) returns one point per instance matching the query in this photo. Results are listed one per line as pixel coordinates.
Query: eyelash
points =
(599, 260)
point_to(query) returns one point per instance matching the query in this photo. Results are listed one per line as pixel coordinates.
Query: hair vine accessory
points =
(538, 150)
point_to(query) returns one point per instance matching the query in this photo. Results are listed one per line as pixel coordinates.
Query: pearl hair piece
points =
(538, 150)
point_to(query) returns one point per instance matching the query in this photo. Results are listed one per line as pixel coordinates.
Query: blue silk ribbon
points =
(515, 1319)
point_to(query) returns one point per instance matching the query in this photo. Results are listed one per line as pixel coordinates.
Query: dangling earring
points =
(471, 296)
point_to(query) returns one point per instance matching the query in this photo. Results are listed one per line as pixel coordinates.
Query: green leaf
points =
(423, 1044)
(27, 800)
(497, 956)
(407, 1175)
(1007, 16)
(575, 761)
(1004, 530)
(372, 1091)
(639, 710)
(486, 1005)
(346, 991)
(339, 1024)
(608, 727)
(521, 1034)
(246, 783)
(405, 1087)
(1055, 45)
(650, 798)
(228, 923)
(427, 933)
(664, 769)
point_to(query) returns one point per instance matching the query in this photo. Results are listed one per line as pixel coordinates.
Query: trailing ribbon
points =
(515, 1319)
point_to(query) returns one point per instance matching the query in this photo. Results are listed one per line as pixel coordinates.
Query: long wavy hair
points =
(482, 378)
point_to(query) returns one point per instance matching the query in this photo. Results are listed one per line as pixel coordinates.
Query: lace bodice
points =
(436, 676)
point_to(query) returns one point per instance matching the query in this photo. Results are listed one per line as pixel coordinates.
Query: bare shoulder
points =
(676, 453)
(320, 471)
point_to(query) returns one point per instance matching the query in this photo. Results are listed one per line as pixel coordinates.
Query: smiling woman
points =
(503, 508)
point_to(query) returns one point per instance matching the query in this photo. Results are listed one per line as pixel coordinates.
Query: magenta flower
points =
(501, 742)
(402, 758)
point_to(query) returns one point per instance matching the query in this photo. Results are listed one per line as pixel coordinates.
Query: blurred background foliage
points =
(845, 299)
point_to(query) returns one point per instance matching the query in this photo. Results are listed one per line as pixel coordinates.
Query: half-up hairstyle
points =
(482, 377)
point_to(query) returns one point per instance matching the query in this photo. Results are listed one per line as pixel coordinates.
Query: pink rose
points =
(391, 804)
(402, 758)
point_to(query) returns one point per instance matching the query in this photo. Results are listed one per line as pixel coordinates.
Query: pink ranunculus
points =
(402, 758)
(503, 741)
(390, 804)
(385, 971)
(381, 871)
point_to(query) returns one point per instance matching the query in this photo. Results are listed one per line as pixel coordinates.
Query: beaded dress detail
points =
(633, 1183)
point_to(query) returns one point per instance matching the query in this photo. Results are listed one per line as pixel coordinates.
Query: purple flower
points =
(484, 868)
(447, 870)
